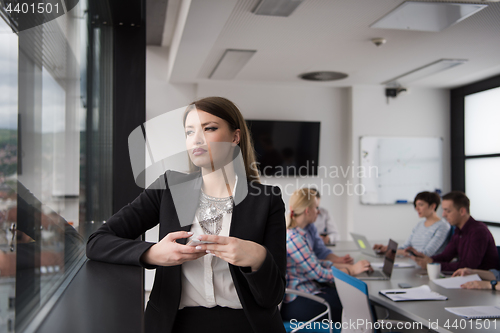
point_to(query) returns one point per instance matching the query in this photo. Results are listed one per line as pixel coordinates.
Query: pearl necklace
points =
(211, 210)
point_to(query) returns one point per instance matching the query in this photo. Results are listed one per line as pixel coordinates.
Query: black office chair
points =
(498, 250)
(450, 233)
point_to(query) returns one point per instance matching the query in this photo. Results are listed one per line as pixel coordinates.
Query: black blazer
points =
(259, 217)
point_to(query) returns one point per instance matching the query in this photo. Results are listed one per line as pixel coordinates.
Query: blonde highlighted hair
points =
(300, 200)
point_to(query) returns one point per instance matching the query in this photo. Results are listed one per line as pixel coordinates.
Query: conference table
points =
(430, 314)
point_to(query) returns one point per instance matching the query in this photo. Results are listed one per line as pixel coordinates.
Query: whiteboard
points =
(395, 169)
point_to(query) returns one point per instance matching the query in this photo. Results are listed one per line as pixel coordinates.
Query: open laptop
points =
(365, 246)
(386, 272)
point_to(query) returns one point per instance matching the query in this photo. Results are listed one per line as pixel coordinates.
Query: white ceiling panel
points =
(332, 35)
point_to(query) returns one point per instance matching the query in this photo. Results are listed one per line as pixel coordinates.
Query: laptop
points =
(365, 246)
(386, 272)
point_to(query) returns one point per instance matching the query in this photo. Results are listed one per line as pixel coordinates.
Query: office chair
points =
(450, 234)
(356, 305)
(302, 326)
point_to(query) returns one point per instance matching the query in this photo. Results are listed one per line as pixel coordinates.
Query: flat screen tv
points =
(286, 148)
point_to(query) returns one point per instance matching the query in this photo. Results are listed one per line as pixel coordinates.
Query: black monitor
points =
(286, 148)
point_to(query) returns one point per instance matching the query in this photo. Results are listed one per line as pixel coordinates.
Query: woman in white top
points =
(236, 282)
(430, 234)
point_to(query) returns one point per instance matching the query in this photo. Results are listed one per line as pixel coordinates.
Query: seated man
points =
(472, 243)
(321, 251)
(490, 278)
(327, 228)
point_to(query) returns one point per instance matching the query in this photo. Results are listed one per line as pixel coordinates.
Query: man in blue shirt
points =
(319, 248)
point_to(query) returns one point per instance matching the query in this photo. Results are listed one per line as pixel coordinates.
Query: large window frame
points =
(112, 97)
(457, 118)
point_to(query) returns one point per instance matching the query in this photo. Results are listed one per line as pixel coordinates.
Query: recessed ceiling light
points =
(281, 8)
(426, 16)
(323, 76)
(424, 71)
(231, 63)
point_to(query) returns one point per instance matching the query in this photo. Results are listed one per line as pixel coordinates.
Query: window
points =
(55, 155)
(476, 146)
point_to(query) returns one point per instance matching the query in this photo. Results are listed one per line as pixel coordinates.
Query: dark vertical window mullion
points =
(457, 139)
(88, 124)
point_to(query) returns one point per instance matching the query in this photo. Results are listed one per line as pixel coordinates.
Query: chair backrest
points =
(447, 240)
(356, 305)
(450, 233)
(498, 250)
(311, 325)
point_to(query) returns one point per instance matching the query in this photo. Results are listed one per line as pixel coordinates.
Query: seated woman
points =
(489, 278)
(305, 272)
(429, 235)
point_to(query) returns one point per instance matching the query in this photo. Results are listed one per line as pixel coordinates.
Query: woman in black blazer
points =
(235, 282)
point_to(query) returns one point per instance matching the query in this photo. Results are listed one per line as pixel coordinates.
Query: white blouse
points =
(207, 281)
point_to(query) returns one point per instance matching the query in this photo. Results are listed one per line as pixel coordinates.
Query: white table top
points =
(427, 311)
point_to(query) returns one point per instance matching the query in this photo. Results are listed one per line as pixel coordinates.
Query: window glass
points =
(54, 125)
(8, 174)
(482, 119)
(482, 181)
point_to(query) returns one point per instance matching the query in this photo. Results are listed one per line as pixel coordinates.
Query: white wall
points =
(420, 112)
(161, 95)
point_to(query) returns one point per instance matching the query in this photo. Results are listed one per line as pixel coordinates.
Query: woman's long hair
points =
(225, 109)
(299, 201)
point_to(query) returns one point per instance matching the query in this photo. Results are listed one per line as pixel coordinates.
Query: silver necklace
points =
(211, 210)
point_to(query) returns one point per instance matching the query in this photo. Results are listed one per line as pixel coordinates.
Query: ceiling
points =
(331, 35)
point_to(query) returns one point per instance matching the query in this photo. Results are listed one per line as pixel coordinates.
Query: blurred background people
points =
(326, 227)
(430, 234)
(305, 272)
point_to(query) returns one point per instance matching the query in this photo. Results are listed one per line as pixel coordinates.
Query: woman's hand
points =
(462, 272)
(235, 251)
(168, 252)
(412, 252)
(476, 285)
(380, 248)
(347, 259)
(360, 267)
(403, 252)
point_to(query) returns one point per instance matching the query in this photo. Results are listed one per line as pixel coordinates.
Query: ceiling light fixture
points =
(281, 8)
(323, 76)
(379, 41)
(426, 16)
(231, 63)
(424, 71)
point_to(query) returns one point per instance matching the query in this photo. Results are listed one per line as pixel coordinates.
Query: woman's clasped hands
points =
(168, 252)
(237, 252)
